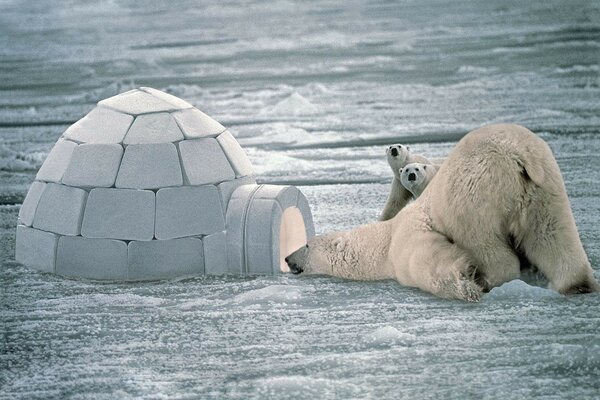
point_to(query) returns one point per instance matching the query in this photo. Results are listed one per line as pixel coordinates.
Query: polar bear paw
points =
(471, 285)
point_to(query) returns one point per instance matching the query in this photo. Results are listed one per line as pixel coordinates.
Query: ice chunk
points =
(517, 289)
(235, 154)
(56, 163)
(119, 214)
(149, 166)
(188, 211)
(204, 162)
(35, 248)
(137, 102)
(101, 125)
(27, 211)
(195, 124)
(159, 259)
(227, 188)
(215, 253)
(175, 101)
(60, 209)
(91, 258)
(153, 128)
(295, 104)
(94, 165)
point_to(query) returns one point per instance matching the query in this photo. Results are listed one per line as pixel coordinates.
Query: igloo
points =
(146, 186)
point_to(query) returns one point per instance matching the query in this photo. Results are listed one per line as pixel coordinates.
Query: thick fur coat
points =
(498, 196)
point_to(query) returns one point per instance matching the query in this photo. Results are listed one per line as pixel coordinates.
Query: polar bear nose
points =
(412, 177)
(394, 152)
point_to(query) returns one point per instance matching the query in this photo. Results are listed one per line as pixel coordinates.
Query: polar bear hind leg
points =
(439, 266)
(546, 230)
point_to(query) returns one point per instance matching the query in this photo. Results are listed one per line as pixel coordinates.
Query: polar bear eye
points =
(416, 169)
(424, 167)
(306, 246)
(399, 146)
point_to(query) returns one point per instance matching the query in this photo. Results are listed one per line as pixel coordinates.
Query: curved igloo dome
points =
(146, 186)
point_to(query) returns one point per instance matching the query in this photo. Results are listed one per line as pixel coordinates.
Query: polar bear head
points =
(397, 156)
(416, 176)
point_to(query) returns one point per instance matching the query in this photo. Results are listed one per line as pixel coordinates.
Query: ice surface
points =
(273, 293)
(149, 166)
(60, 209)
(91, 258)
(215, 253)
(188, 211)
(35, 248)
(93, 165)
(101, 125)
(374, 83)
(27, 210)
(387, 336)
(295, 104)
(195, 124)
(204, 162)
(517, 289)
(158, 259)
(57, 161)
(235, 154)
(119, 214)
(153, 128)
(138, 102)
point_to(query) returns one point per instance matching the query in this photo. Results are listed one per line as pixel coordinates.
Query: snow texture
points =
(119, 214)
(197, 154)
(94, 165)
(149, 166)
(183, 211)
(101, 125)
(60, 209)
(57, 161)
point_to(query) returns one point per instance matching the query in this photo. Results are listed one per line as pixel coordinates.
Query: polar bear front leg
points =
(440, 267)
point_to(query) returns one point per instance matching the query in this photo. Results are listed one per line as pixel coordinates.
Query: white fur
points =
(399, 196)
(422, 173)
(500, 192)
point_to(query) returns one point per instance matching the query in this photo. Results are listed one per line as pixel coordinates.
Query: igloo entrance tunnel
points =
(148, 187)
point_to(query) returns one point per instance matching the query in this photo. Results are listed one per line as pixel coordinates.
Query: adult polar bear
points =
(499, 194)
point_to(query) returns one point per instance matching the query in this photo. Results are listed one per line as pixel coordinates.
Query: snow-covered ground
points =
(313, 91)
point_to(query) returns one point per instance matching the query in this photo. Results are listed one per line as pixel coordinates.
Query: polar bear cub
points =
(416, 176)
(398, 156)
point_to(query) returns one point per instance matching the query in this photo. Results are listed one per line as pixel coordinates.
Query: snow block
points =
(262, 236)
(91, 258)
(227, 188)
(119, 214)
(168, 98)
(54, 166)
(195, 124)
(235, 154)
(137, 102)
(160, 259)
(188, 211)
(36, 249)
(235, 222)
(149, 166)
(93, 165)
(153, 128)
(204, 162)
(215, 254)
(27, 210)
(101, 125)
(60, 209)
